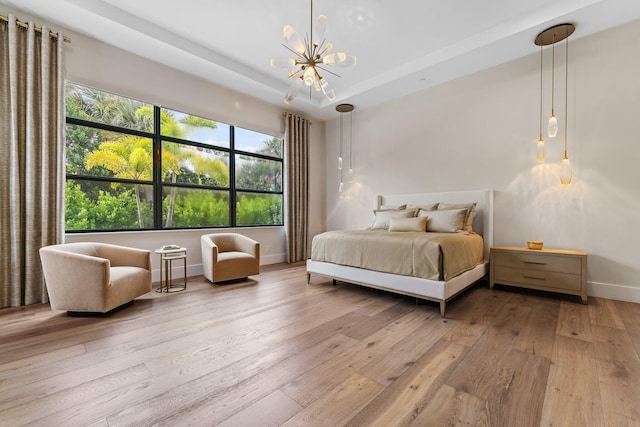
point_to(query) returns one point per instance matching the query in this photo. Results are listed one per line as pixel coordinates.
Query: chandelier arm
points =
(294, 52)
(328, 71)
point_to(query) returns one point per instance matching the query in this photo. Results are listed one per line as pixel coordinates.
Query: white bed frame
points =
(433, 290)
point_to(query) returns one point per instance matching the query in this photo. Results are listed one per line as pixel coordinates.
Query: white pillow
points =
(383, 217)
(445, 221)
(471, 210)
(408, 224)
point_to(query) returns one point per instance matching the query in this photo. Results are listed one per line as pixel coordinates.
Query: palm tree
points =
(129, 156)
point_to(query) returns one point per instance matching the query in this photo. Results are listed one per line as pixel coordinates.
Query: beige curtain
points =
(31, 158)
(297, 186)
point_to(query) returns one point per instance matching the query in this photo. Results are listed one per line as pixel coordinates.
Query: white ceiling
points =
(402, 46)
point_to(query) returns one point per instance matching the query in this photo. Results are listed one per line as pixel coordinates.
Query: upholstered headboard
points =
(482, 222)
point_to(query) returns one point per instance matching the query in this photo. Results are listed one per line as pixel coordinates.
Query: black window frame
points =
(157, 178)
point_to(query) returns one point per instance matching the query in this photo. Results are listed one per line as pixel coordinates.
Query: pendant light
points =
(342, 109)
(540, 150)
(550, 36)
(565, 166)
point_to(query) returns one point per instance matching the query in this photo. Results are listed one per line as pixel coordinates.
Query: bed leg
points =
(335, 282)
(442, 308)
(308, 278)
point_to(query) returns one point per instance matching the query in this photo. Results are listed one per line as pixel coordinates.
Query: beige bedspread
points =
(435, 256)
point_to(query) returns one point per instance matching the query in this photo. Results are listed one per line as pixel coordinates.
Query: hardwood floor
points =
(277, 351)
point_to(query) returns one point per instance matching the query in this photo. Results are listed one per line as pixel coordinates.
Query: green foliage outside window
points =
(110, 175)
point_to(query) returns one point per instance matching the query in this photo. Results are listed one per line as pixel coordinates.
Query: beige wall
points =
(97, 64)
(480, 131)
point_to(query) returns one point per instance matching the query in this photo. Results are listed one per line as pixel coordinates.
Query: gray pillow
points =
(383, 217)
(444, 221)
(471, 210)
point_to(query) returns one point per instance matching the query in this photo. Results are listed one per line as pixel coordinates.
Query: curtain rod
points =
(284, 114)
(38, 29)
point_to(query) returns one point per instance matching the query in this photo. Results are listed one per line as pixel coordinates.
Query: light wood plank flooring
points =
(276, 351)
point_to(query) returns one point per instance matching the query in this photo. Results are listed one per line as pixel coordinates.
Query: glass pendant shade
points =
(328, 91)
(349, 61)
(340, 163)
(292, 91)
(552, 129)
(292, 39)
(309, 76)
(350, 176)
(283, 62)
(540, 151)
(565, 171)
(334, 58)
(340, 188)
(319, 30)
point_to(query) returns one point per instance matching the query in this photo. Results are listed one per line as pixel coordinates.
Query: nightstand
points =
(555, 270)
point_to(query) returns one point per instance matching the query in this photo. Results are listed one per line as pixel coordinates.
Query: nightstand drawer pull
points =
(536, 278)
(536, 263)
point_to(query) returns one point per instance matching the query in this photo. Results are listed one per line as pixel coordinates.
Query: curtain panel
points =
(31, 158)
(297, 188)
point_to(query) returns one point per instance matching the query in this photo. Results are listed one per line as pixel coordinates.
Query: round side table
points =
(167, 256)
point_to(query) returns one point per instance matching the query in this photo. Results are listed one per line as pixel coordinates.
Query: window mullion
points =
(232, 178)
(157, 169)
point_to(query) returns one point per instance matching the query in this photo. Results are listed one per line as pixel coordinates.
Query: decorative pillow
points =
(471, 210)
(444, 221)
(408, 224)
(384, 216)
(427, 207)
(387, 207)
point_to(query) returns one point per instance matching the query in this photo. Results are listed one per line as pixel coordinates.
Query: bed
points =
(440, 289)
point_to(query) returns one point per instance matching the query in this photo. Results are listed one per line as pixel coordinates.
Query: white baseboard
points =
(616, 292)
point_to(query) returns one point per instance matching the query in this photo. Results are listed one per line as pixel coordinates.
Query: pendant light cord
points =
(341, 132)
(553, 71)
(566, 93)
(541, 92)
(350, 141)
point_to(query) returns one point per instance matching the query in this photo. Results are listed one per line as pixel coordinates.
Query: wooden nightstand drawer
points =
(538, 278)
(538, 262)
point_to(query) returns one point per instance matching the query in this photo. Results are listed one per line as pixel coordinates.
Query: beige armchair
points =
(94, 277)
(228, 256)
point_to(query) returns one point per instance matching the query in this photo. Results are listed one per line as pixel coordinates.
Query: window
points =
(136, 166)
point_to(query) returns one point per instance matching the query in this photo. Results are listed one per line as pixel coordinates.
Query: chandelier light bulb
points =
(540, 151)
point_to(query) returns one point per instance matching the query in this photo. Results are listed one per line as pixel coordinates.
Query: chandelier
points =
(311, 56)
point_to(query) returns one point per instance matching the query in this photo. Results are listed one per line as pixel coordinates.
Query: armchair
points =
(94, 277)
(228, 256)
